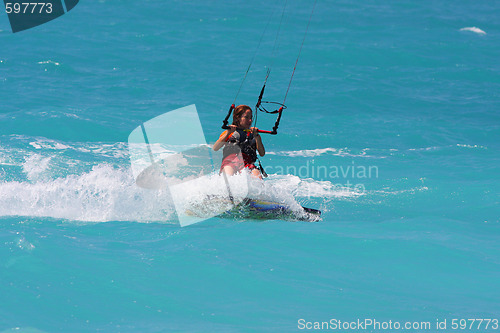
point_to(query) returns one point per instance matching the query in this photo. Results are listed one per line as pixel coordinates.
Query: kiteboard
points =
(251, 208)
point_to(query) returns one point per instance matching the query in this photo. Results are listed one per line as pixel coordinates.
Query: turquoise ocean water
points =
(392, 130)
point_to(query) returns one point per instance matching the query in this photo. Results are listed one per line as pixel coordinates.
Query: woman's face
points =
(246, 119)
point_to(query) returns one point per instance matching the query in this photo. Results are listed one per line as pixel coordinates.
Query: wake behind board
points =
(251, 208)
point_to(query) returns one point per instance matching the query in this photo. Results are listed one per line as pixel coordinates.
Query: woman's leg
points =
(228, 170)
(256, 173)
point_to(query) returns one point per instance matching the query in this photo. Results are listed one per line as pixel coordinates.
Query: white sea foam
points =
(102, 194)
(310, 188)
(398, 192)
(49, 144)
(471, 146)
(117, 150)
(35, 166)
(319, 152)
(435, 148)
(49, 62)
(288, 190)
(52, 183)
(425, 149)
(4, 160)
(106, 193)
(474, 29)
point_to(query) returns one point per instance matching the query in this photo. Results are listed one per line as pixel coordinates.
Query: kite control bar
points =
(275, 128)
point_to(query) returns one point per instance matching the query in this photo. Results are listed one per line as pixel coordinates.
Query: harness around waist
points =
(241, 142)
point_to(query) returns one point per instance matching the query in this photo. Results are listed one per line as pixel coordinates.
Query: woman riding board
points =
(241, 144)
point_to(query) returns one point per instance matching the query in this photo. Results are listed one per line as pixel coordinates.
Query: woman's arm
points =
(223, 138)
(258, 141)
